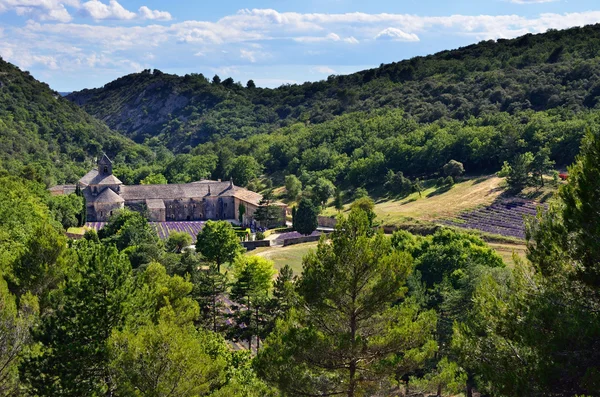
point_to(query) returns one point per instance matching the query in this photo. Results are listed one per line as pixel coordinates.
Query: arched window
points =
(101, 214)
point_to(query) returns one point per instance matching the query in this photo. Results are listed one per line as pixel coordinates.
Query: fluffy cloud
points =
(396, 35)
(113, 10)
(147, 13)
(43, 10)
(246, 38)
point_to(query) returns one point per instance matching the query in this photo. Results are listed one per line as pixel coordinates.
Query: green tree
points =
(338, 202)
(74, 358)
(366, 205)
(218, 243)
(154, 179)
(15, 324)
(293, 186)
(453, 168)
(210, 285)
(251, 288)
(268, 213)
(322, 190)
(165, 359)
(243, 169)
(66, 209)
(306, 217)
(354, 325)
(177, 241)
(417, 186)
(541, 165)
(518, 172)
(241, 213)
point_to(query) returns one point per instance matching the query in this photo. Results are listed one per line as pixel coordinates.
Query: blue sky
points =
(76, 44)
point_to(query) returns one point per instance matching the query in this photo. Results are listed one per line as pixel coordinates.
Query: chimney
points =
(209, 190)
(231, 182)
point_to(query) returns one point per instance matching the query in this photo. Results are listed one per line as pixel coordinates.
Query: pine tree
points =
(353, 325)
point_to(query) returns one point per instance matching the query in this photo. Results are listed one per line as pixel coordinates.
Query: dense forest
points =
(557, 69)
(121, 313)
(46, 137)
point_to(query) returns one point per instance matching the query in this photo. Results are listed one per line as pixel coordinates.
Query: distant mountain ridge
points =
(539, 72)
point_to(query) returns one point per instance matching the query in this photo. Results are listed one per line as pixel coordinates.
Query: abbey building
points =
(203, 200)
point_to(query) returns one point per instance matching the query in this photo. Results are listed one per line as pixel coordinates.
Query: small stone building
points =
(196, 201)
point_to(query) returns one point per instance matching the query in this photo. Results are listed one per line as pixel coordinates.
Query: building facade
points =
(197, 201)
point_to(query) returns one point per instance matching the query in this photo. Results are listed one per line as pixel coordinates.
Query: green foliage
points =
(218, 243)
(15, 324)
(73, 357)
(253, 281)
(241, 212)
(293, 186)
(45, 137)
(453, 169)
(165, 359)
(209, 286)
(305, 218)
(348, 289)
(367, 206)
(555, 297)
(177, 241)
(244, 169)
(268, 213)
(154, 179)
(397, 183)
(260, 235)
(66, 209)
(322, 190)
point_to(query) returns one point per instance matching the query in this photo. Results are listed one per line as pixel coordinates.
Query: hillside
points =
(53, 138)
(537, 72)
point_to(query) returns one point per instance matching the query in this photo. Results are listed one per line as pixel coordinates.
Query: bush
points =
(260, 236)
(361, 192)
(449, 181)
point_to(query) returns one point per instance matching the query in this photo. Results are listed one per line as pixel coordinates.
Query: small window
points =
(105, 169)
(110, 213)
(225, 205)
(194, 205)
(170, 207)
(185, 206)
(101, 214)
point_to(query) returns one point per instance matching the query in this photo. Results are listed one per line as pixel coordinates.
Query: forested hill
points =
(539, 72)
(44, 136)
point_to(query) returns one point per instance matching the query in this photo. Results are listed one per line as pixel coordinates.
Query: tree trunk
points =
(248, 325)
(214, 308)
(257, 331)
(439, 391)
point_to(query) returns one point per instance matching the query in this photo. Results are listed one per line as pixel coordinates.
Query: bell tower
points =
(105, 166)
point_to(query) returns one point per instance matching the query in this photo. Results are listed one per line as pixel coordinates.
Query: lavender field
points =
(506, 218)
(164, 229)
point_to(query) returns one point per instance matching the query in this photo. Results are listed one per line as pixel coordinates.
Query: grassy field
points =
(282, 256)
(434, 203)
(506, 251)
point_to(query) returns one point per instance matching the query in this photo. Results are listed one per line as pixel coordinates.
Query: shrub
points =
(260, 236)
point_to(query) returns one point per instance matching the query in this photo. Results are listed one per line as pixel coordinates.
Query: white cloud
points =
(113, 10)
(396, 35)
(147, 13)
(247, 37)
(43, 10)
(323, 70)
